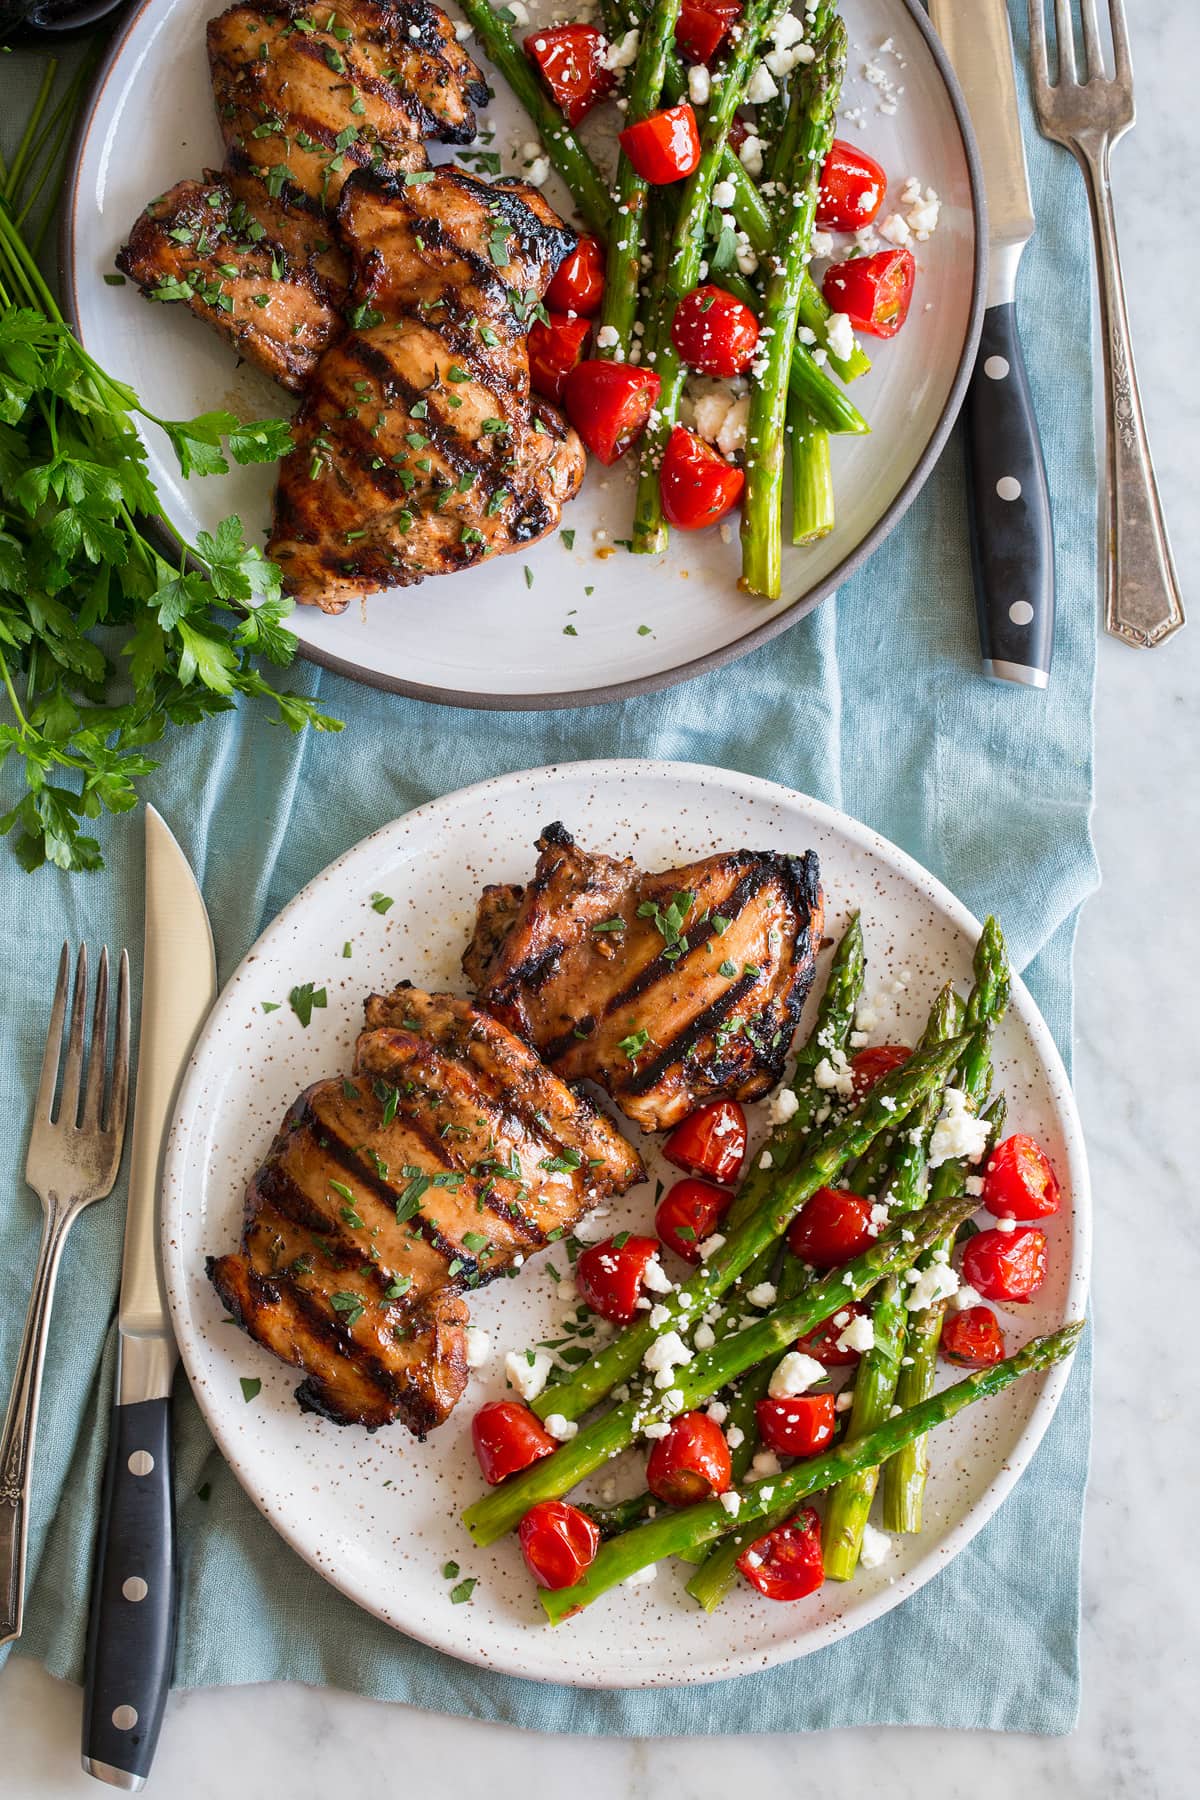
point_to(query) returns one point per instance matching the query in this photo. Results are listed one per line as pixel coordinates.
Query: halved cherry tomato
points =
(874, 291)
(608, 403)
(701, 27)
(558, 1542)
(786, 1564)
(712, 1141)
(609, 1275)
(1006, 1265)
(691, 1463)
(972, 1337)
(688, 1213)
(578, 285)
(665, 147)
(555, 348)
(821, 1343)
(1018, 1182)
(698, 486)
(507, 1438)
(870, 1066)
(852, 188)
(831, 1228)
(714, 332)
(571, 60)
(797, 1427)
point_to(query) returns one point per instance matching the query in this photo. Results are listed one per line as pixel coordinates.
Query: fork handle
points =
(20, 1422)
(1142, 602)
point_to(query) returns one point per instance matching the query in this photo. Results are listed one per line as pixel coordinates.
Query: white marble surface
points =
(1138, 986)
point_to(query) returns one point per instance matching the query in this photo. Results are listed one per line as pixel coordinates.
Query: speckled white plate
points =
(378, 1516)
(488, 639)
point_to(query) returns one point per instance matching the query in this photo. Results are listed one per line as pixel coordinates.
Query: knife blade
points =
(131, 1630)
(1012, 547)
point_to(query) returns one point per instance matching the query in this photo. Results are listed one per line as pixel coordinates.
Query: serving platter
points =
(558, 625)
(378, 1516)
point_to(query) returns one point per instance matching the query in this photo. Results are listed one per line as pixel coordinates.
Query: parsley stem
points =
(26, 148)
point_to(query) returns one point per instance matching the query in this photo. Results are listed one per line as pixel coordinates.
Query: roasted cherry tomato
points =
(1006, 1265)
(786, 1564)
(821, 1343)
(870, 1066)
(507, 1438)
(691, 1463)
(609, 1275)
(701, 27)
(688, 1213)
(714, 332)
(973, 1337)
(698, 486)
(555, 348)
(571, 60)
(852, 188)
(1018, 1182)
(665, 147)
(831, 1228)
(797, 1427)
(578, 285)
(874, 291)
(712, 1141)
(558, 1543)
(608, 403)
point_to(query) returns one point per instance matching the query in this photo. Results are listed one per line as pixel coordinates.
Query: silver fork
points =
(1143, 605)
(74, 1155)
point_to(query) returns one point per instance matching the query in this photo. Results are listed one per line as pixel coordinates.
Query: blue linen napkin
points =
(873, 704)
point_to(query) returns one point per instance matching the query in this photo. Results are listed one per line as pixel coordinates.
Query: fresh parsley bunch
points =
(106, 639)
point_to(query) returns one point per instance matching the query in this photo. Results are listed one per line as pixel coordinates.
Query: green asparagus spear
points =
(818, 88)
(812, 471)
(625, 243)
(694, 1382)
(588, 187)
(889, 1102)
(681, 1530)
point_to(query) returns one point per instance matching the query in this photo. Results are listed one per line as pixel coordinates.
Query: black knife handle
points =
(1012, 544)
(131, 1631)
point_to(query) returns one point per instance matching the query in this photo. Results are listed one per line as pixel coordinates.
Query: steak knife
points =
(131, 1630)
(1012, 547)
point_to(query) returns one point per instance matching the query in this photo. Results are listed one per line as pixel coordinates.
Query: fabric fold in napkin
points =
(873, 704)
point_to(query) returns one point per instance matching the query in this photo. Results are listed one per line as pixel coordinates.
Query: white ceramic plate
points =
(491, 640)
(378, 1516)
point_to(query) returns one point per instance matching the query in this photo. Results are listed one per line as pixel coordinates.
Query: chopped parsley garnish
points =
(609, 925)
(251, 1387)
(568, 538)
(348, 1304)
(464, 1590)
(475, 1242)
(728, 969)
(635, 1043)
(303, 999)
(381, 903)
(270, 1005)
(566, 1164)
(720, 924)
(399, 1286)
(339, 1187)
(621, 1239)
(669, 921)
(414, 1191)
(388, 1097)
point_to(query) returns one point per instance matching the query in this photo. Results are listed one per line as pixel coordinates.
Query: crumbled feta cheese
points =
(859, 1334)
(788, 46)
(717, 1411)
(973, 1185)
(765, 1462)
(735, 1437)
(964, 1297)
(895, 229)
(659, 1316)
(622, 55)
(839, 335)
(782, 1106)
(478, 1347)
(958, 1132)
(821, 244)
(463, 29)
(659, 1429)
(710, 1246)
(750, 154)
(608, 337)
(528, 1371)
(666, 1354)
(1005, 1225)
(731, 1500)
(724, 194)
(764, 1295)
(655, 1278)
(766, 1160)
(593, 1229)
(673, 1400)
(538, 172)
(761, 86)
(640, 1577)
(704, 1337)
(794, 1375)
(844, 1401)
(938, 1282)
(744, 254)
(732, 435)
(833, 1074)
(874, 1548)
(520, 13)
(561, 1428)
(699, 90)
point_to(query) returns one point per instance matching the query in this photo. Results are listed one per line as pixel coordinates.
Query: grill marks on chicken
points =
(305, 95)
(666, 989)
(385, 1197)
(418, 450)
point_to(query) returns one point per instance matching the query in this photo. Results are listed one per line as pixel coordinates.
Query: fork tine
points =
(1120, 38)
(1038, 60)
(1064, 31)
(48, 1081)
(118, 1094)
(93, 1093)
(1091, 40)
(68, 1105)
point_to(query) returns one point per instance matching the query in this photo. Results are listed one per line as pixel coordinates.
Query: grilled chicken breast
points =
(418, 450)
(305, 95)
(666, 989)
(385, 1197)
